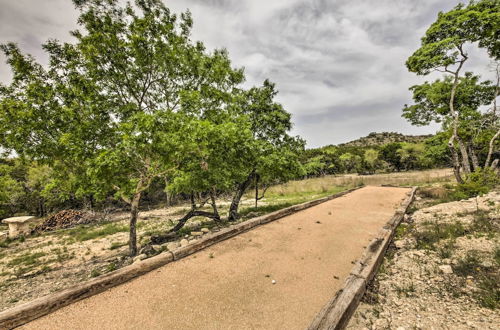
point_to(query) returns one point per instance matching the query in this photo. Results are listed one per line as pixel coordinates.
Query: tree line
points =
(387, 157)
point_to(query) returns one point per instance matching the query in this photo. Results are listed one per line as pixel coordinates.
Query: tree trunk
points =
(473, 156)
(235, 203)
(256, 190)
(490, 149)
(465, 156)
(455, 116)
(455, 161)
(169, 197)
(214, 207)
(494, 164)
(134, 211)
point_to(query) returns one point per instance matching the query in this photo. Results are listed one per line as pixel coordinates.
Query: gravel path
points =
(230, 285)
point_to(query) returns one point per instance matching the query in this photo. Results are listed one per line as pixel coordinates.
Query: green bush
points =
(477, 183)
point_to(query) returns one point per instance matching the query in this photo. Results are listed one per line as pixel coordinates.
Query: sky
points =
(338, 64)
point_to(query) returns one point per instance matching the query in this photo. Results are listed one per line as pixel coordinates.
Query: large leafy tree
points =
(273, 153)
(443, 49)
(110, 105)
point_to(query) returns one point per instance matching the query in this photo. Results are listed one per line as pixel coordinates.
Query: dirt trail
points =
(229, 285)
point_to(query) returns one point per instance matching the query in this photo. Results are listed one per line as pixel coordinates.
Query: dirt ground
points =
(276, 276)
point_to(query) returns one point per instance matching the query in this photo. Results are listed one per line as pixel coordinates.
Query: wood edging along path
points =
(32, 310)
(337, 312)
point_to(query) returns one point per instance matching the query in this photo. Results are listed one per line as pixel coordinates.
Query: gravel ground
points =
(425, 286)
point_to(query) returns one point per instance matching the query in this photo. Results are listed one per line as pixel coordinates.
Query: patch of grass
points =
(8, 241)
(482, 223)
(26, 259)
(440, 193)
(470, 265)
(111, 267)
(87, 233)
(117, 245)
(406, 289)
(401, 231)
(446, 250)
(260, 210)
(95, 272)
(486, 278)
(5, 273)
(62, 254)
(496, 255)
(434, 232)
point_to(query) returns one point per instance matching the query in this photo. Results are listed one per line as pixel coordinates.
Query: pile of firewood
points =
(65, 219)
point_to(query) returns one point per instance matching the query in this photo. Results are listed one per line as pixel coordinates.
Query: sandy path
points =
(226, 286)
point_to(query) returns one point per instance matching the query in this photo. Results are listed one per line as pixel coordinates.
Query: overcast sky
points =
(338, 64)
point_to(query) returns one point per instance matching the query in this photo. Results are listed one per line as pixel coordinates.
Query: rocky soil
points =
(441, 271)
(38, 265)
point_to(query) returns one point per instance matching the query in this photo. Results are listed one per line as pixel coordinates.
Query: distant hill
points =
(377, 139)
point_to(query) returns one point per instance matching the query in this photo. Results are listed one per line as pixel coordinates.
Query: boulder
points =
(172, 246)
(446, 269)
(399, 244)
(140, 257)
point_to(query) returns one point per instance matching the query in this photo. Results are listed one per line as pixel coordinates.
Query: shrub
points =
(478, 183)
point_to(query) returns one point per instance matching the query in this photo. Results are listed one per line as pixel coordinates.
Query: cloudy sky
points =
(338, 64)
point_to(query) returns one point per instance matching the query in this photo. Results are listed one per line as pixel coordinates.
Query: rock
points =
(195, 224)
(205, 230)
(446, 269)
(172, 246)
(196, 233)
(399, 244)
(140, 257)
(184, 242)
(273, 281)
(157, 248)
(148, 250)
(487, 264)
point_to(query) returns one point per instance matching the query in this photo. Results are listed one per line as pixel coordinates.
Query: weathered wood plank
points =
(335, 314)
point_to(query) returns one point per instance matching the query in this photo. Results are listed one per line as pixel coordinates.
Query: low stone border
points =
(337, 312)
(32, 310)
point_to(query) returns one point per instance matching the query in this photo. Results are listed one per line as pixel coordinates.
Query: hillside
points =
(377, 139)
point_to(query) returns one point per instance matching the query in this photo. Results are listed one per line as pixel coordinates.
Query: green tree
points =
(109, 106)
(371, 160)
(389, 153)
(443, 49)
(273, 153)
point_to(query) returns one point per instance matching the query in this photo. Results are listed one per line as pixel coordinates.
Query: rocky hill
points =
(377, 139)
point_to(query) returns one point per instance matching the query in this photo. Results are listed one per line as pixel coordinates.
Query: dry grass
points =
(324, 184)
